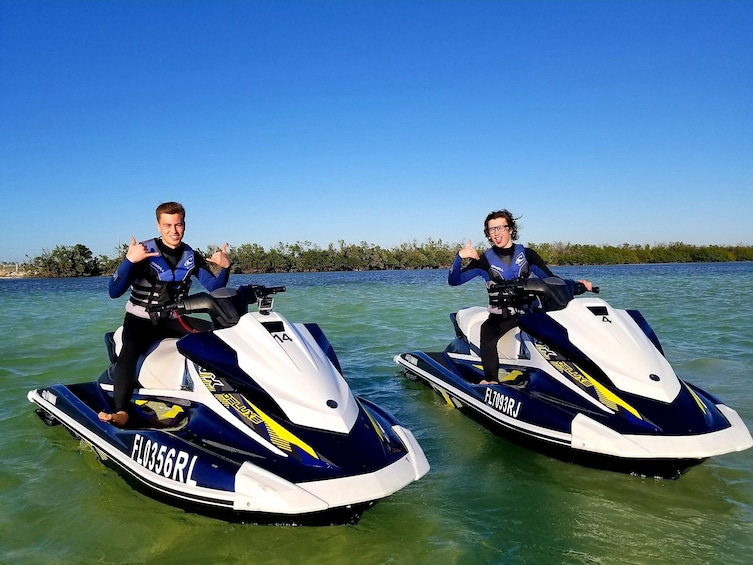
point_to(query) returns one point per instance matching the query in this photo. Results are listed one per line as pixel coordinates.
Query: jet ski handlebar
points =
(225, 306)
(553, 292)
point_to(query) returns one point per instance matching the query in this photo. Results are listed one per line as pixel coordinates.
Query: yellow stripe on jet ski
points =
(571, 370)
(162, 410)
(508, 376)
(695, 396)
(375, 425)
(606, 396)
(278, 435)
(446, 396)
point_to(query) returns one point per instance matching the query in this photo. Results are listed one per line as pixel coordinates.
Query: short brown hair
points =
(171, 208)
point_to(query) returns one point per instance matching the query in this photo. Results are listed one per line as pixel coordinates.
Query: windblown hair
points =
(511, 221)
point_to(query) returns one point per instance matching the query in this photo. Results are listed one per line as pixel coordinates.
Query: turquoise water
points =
(485, 500)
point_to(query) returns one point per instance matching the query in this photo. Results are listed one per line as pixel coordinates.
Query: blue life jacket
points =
(500, 271)
(163, 283)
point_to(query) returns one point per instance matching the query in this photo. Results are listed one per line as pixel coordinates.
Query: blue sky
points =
(597, 122)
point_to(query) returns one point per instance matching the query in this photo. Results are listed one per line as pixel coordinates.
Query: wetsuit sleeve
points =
(538, 267)
(458, 275)
(122, 279)
(207, 279)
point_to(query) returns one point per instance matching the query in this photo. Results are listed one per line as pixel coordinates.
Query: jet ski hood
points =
(613, 341)
(271, 346)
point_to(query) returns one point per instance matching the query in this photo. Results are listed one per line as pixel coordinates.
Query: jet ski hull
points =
(179, 462)
(533, 409)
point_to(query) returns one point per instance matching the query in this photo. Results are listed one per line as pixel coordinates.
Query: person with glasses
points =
(505, 260)
(158, 272)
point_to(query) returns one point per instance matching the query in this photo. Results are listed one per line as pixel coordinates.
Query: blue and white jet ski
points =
(251, 421)
(584, 382)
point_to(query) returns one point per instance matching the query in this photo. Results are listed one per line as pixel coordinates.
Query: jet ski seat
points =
(162, 366)
(469, 321)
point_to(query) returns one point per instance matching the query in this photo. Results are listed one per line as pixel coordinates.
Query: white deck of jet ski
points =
(164, 367)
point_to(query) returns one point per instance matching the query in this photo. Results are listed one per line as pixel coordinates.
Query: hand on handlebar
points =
(160, 311)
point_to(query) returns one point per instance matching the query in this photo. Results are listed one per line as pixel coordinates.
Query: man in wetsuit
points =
(158, 272)
(505, 260)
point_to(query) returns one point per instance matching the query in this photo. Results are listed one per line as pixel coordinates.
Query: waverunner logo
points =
(49, 397)
(211, 381)
(545, 352)
(170, 463)
(502, 402)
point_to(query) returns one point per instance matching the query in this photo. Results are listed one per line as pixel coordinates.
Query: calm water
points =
(485, 500)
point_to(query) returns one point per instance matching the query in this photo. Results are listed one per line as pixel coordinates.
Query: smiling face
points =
(499, 232)
(171, 228)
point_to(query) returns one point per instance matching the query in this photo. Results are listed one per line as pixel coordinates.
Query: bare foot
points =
(119, 418)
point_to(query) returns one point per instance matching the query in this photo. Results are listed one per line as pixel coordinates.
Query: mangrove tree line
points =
(303, 256)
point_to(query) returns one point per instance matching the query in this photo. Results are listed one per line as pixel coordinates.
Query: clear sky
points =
(598, 122)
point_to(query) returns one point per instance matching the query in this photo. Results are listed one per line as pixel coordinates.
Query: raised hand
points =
(220, 257)
(138, 251)
(468, 252)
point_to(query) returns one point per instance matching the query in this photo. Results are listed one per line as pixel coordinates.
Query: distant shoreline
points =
(23, 275)
(13, 274)
(79, 261)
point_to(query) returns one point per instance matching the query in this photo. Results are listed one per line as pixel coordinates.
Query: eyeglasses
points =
(495, 229)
